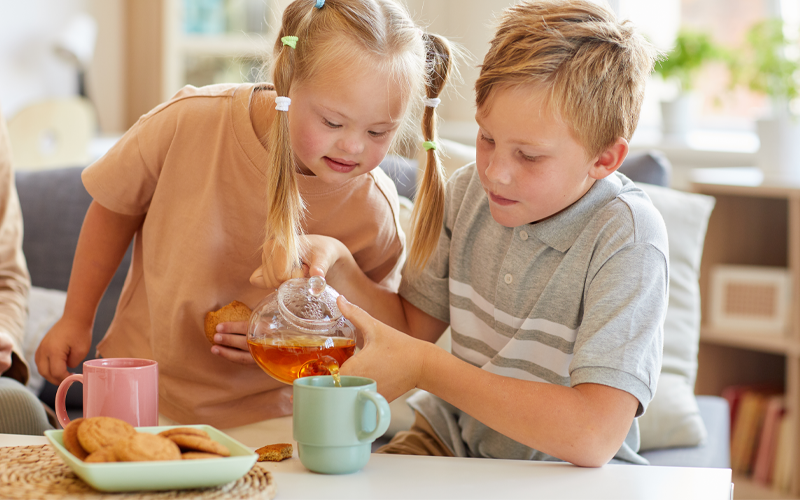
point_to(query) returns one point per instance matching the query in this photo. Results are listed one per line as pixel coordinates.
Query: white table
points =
(405, 477)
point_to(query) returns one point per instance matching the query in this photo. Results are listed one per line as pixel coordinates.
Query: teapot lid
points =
(309, 299)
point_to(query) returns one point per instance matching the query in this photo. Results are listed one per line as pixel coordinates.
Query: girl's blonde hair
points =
(356, 32)
(593, 69)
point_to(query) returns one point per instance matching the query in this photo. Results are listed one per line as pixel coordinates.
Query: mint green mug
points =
(335, 426)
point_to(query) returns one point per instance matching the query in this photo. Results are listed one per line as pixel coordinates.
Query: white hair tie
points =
(431, 102)
(282, 103)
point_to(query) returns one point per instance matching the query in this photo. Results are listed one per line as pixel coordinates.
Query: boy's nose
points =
(498, 172)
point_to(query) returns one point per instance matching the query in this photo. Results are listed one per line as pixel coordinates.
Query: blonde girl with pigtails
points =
(187, 185)
(383, 40)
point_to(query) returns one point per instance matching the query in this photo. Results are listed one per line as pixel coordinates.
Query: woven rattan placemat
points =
(36, 472)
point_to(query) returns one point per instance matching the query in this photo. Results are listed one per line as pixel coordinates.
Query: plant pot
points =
(779, 153)
(677, 116)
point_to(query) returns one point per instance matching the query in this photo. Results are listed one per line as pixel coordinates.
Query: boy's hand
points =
(392, 358)
(66, 344)
(231, 342)
(320, 253)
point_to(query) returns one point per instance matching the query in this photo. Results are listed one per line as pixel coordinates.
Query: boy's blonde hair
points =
(378, 33)
(592, 68)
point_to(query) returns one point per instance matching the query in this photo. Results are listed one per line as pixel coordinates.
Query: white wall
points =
(31, 71)
(471, 24)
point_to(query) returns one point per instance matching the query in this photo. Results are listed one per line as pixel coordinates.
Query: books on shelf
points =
(782, 475)
(758, 427)
(768, 441)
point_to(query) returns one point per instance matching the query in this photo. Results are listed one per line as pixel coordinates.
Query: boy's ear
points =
(609, 160)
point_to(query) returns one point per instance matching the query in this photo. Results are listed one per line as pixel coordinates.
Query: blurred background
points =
(117, 59)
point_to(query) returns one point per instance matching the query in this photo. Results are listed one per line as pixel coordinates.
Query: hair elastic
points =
(320, 4)
(428, 145)
(431, 102)
(282, 103)
(291, 41)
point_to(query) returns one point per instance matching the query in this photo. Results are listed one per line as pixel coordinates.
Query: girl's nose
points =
(351, 145)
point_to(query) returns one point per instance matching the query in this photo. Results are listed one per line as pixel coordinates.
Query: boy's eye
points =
(331, 124)
(529, 158)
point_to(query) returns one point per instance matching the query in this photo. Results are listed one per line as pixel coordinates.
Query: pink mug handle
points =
(61, 397)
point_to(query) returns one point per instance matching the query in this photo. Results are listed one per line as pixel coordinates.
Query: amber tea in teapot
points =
(303, 357)
(299, 331)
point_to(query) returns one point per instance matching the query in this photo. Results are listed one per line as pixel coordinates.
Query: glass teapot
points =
(298, 331)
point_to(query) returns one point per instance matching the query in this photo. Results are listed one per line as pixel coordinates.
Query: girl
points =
(187, 182)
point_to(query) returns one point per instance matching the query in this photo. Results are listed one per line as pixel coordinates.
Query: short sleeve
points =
(619, 342)
(430, 290)
(125, 178)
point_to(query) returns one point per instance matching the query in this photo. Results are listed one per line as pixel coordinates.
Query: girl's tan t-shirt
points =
(195, 166)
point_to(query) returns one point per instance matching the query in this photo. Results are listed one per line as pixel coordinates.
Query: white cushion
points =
(45, 307)
(673, 418)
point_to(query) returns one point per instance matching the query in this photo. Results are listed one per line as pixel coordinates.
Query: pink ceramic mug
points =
(124, 388)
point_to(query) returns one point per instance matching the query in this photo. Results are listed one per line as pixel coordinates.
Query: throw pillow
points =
(673, 418)
(45, 307)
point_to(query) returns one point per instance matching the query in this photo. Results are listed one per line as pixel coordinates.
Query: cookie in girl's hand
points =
(235, 311)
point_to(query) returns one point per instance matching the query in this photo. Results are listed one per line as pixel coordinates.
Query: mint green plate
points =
(161, 475)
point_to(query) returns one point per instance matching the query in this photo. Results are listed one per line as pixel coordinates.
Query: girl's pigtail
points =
(285, 207)
(428, 211)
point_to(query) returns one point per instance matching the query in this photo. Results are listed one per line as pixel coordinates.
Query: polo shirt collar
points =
(561, 230)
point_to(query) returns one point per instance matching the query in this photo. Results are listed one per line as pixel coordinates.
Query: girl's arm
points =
(584, 425)
(104, 238)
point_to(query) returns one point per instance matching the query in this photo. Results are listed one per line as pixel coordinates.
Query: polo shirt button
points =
(523, 235)
(508, 279)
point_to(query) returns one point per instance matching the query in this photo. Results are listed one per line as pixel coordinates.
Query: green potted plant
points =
(769, 64)
(682, 65)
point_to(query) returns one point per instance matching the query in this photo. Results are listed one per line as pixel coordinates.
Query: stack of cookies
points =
(107, 439)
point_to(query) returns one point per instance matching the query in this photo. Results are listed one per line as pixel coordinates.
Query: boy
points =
(551, 267)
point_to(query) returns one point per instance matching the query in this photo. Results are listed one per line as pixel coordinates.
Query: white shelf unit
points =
(755, 225)
(180, 47)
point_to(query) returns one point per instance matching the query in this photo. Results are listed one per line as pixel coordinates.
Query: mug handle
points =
(61, 397)
(384, 415)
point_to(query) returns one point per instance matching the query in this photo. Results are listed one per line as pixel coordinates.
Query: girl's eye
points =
(331, 124)
(378, 134)
(486, 139)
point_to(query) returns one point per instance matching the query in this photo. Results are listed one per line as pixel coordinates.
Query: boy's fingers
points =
(359, 317)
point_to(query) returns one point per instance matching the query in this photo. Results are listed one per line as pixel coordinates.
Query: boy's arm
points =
(584, 425)
(104, 238)
(381, 303)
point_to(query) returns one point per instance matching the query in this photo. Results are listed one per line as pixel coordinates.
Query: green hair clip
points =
(428, 145)
(291, 41)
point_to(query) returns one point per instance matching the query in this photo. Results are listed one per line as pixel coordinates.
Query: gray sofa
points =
(54, 203)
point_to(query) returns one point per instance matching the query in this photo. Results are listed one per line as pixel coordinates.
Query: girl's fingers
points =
(234, 355)
(234, 340)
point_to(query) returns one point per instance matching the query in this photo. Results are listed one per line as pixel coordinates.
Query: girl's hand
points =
(320, 253)
(391, 358)
(6, 344)
(66, 344)
(231, 342)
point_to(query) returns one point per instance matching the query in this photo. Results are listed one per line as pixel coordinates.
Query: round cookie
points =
(197, 455)
(143, 447)
(191, 431)
(195, 443)
(98, 432)
(70, 437)
(102, 455)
